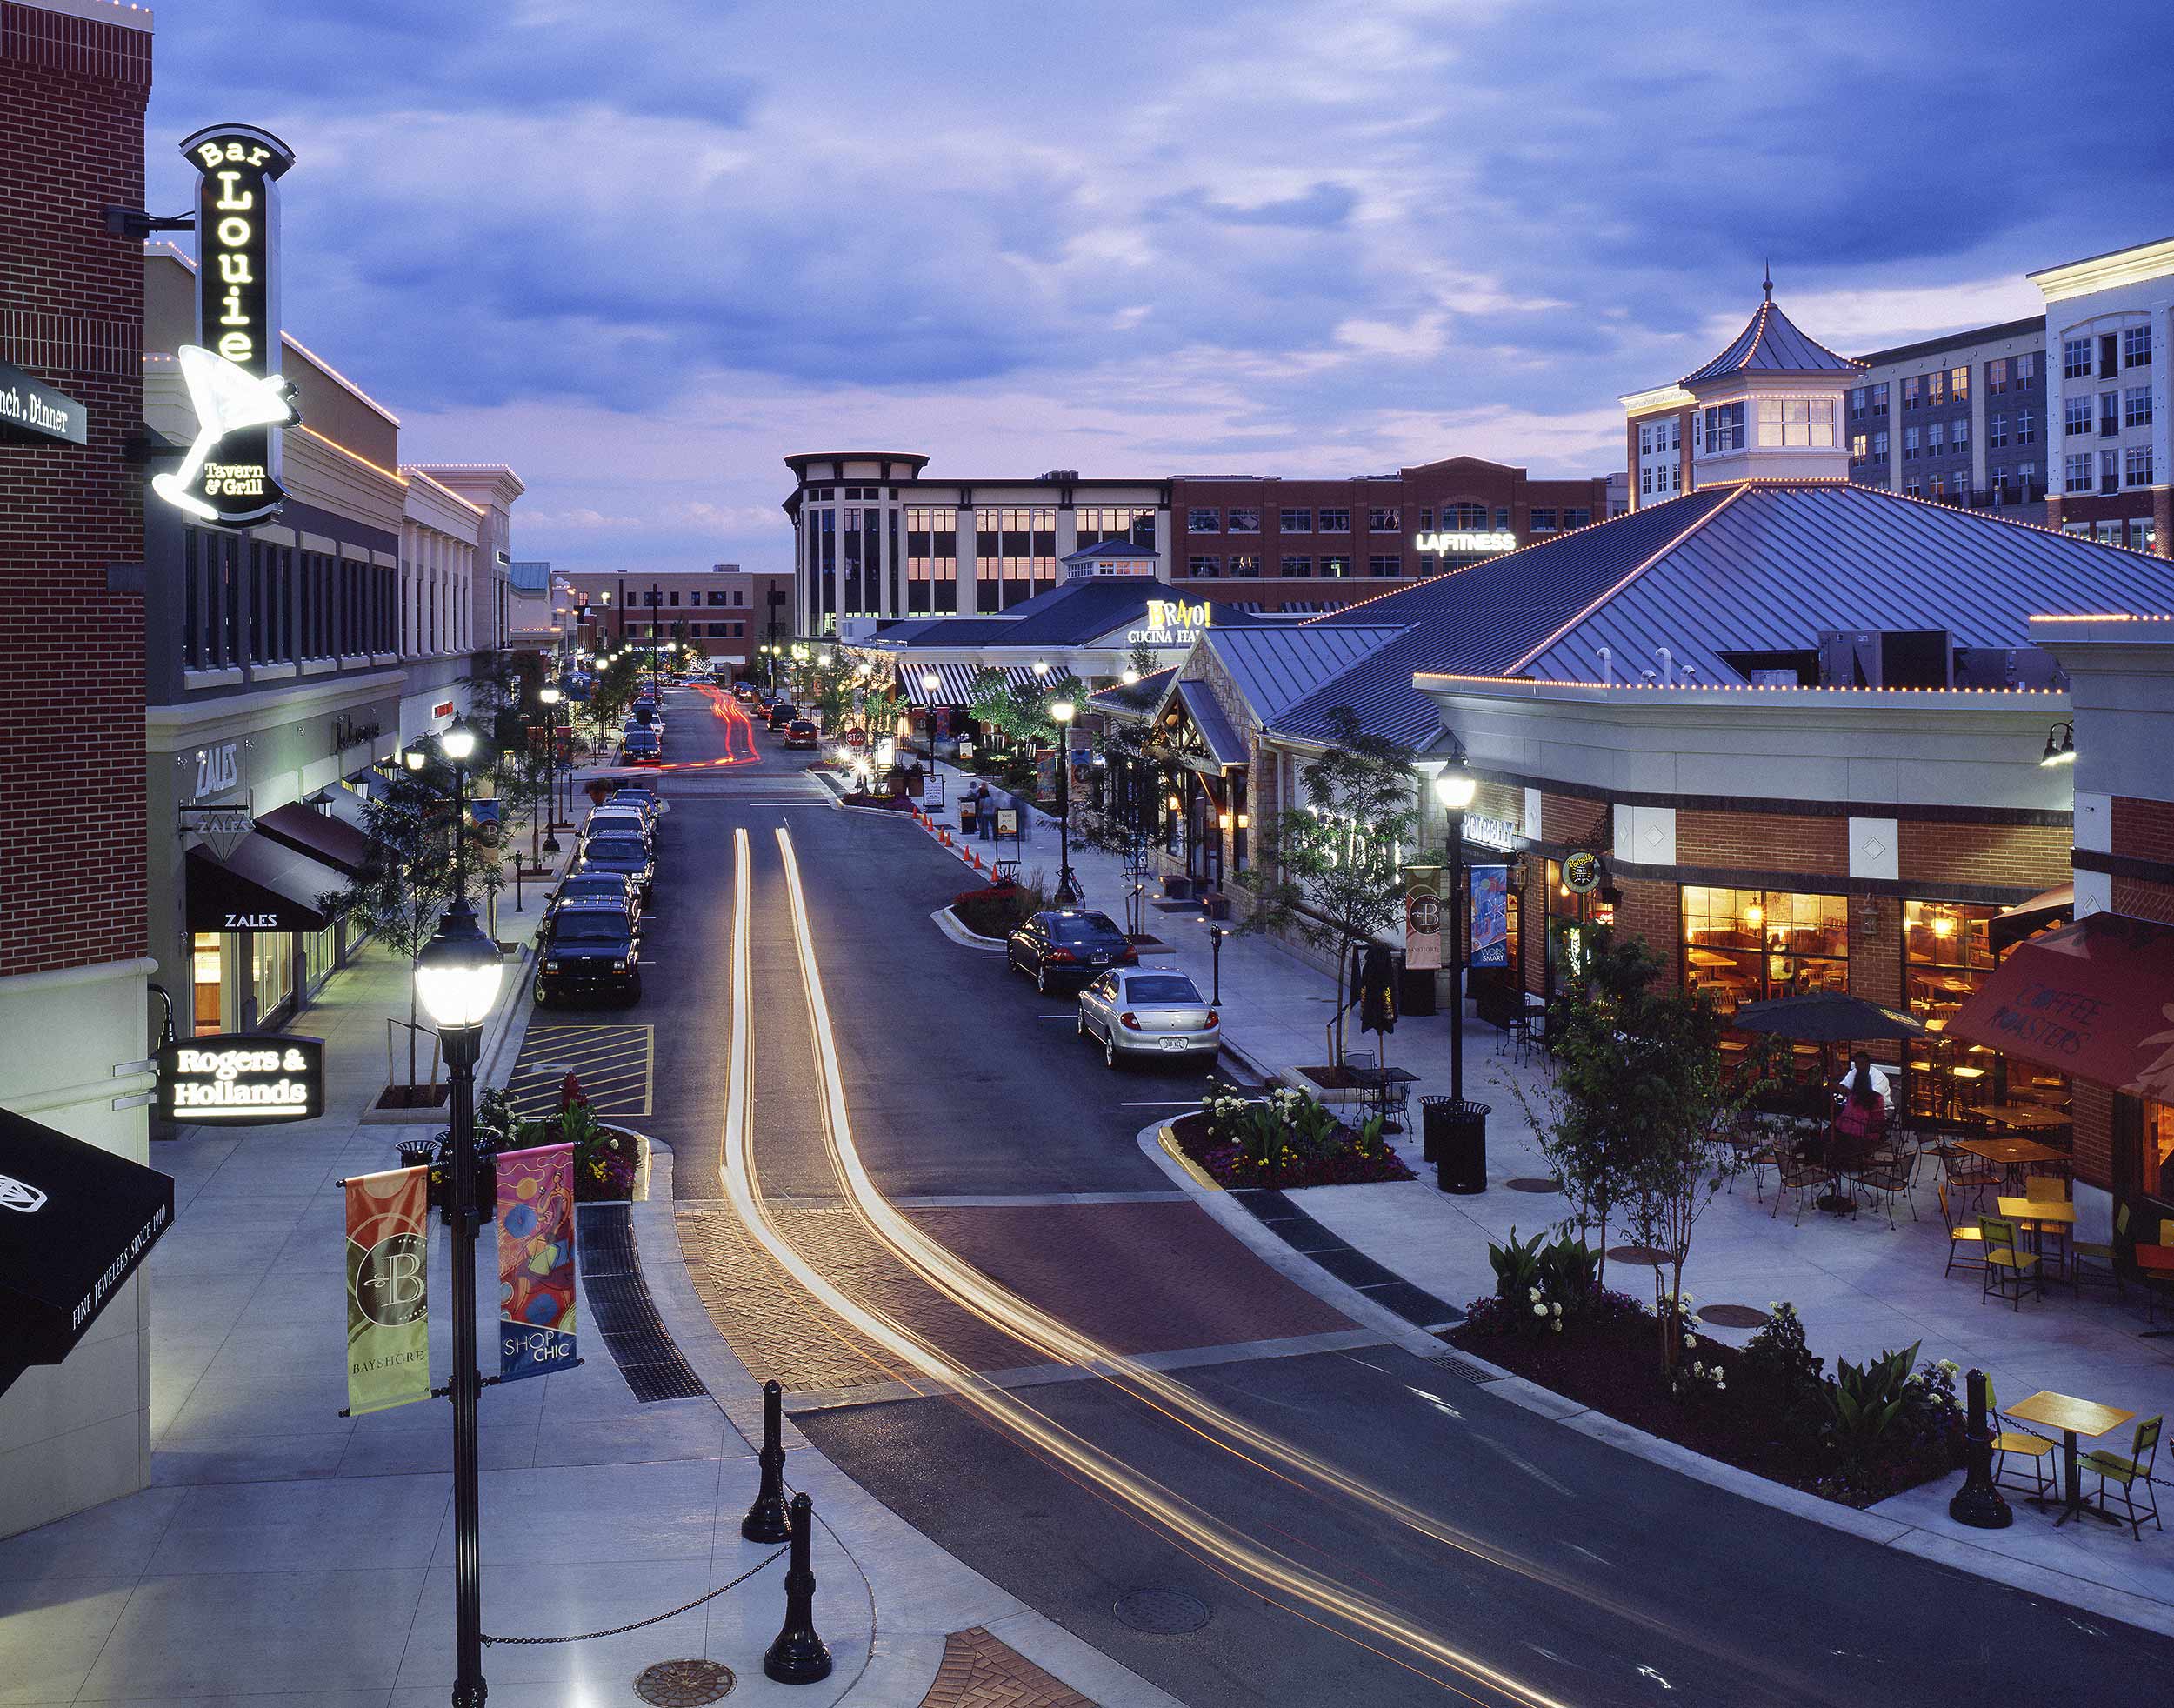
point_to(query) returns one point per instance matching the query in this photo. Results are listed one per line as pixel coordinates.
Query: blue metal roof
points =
(1771, 343)
(1073, 613)
(1275, 666)
(1213, 722)
(532, 576)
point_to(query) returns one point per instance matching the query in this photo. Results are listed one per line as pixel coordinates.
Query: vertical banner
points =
(1491, 916)
(1422, 928)
(388, 1291)
(535, 1261)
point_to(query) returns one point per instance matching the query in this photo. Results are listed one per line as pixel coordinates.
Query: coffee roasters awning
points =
(2094, 999)
(74, 1222)
(264, 885)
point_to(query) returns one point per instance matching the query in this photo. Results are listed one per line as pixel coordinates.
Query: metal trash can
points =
(1453, 1137)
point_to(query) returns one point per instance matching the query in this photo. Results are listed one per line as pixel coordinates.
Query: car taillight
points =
(1129, 958)
(1129, 1021)
(1063, 955)
(1214, 1018)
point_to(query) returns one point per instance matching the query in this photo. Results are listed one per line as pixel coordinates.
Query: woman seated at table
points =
(1861, 1123)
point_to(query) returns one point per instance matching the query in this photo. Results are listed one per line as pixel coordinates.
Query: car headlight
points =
(619, 966)
(551, 966)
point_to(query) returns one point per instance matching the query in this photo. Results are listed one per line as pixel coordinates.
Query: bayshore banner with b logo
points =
(388, 1288)
(535, 1261)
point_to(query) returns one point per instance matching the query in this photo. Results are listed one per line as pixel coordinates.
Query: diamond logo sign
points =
(14, 1195)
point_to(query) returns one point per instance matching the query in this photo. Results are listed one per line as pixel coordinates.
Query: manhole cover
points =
(1530, 1184)
(684, 1684)
(1164, 1612)
(1732, 1316)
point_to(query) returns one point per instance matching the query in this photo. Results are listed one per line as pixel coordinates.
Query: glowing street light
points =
(1454, 789)
(1067, 887)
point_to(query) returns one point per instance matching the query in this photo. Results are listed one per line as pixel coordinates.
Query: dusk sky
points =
(641, 251)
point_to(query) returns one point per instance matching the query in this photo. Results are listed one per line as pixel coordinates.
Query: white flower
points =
(1720, 1386)
(1539, 1311)
(1698, 1369)
(1773, 1308)
(1557, 1310)
(1690, 1342)
(1532, 1292)
(1558, 1325)
(1950, 1366)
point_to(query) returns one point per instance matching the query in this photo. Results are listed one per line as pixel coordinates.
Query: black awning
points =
(323, 838)
(2056, 907)
(264, 886)
(74, 1222)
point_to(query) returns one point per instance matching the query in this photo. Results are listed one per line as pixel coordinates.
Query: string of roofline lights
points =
(974, 1292)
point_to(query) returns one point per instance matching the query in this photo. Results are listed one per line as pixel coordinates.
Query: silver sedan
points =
(1147, 1011)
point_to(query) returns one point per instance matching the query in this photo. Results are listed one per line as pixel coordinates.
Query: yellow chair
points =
(2045, 1189)
(2010, 1271)
(2104, 1255)
(2126, 1473)
(2035, 1450)
(1964, 1244)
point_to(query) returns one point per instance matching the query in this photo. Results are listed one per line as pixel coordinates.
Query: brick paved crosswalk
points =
(981, 1671)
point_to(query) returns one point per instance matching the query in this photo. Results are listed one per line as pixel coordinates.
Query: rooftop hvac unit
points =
(2008, 667)
(1885, 659)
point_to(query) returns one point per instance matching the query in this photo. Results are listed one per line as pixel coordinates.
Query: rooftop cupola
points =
(1770, 405)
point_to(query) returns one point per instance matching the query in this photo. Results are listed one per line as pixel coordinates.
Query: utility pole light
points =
(1454, 789)
(1067, 887)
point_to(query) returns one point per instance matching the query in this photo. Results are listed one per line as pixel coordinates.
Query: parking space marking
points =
(617, 1065)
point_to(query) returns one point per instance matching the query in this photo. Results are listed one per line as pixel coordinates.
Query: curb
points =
(948, 923)
(1167, 1137)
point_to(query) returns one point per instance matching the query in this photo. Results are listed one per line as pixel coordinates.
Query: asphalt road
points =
(1587, 1575)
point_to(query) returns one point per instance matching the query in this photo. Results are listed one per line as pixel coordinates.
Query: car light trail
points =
(1195, 1529)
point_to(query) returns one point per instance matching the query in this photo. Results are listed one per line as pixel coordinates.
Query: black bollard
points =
(1980, 1502)
(767, 1519)
(799, 1657)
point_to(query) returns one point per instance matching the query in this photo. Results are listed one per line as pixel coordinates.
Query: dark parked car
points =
(782, 711)
(802, 733)
(637, 795)
(596, 888)
(589, 952)
(628, 856)
(641, 747)
(743, 693)
(1068, 946)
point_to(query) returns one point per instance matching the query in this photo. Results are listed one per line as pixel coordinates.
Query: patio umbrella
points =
(1826, 1016)
(1377, 992)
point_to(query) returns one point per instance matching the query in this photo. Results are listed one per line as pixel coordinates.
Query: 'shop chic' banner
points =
(388, 1288)
(535, 1261)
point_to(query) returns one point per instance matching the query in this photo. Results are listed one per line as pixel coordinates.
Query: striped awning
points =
(955, 682)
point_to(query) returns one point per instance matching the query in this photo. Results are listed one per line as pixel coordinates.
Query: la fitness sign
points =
(1466, 543)
(230, 476)
(242, 1080)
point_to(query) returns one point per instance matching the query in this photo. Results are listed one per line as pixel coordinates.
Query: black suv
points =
(1068, 946)
(589, 952)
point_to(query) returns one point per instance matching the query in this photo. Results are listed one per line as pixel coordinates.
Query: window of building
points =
(2109, 414)
(1795, 421)
(1879, 395)
(1204, 521)
(1997, 376)
(2026, 425)
(2143, 534)
(1959, 384)
(2077, 471)
(1297, 564)
(2076, 415)
(2135, 406)
(1335, 564)
(1244, 563)
(1749, 946)
(1913, 392)
(2136, 462)
(2076, 358)
(1936, 438)
(1244, 519)
(2110, 471)
(1336, 521)
(1645, 440)
(2026, 368)
(1724, 428)
(2106, 533)
(1947, 952)
(1913, 487)
(1645, 479)
(1204, 566)
(2028, 474)
(1385, 563)
(1674, 432)
(931, 559)
(1542, 519)
(1959, 432)
(1909, 442)
(2136, 346)
(1995, 429)
(1859, 445)
(1384, 519)
(1296, 521)
(1856, 400)
(1936, 388)
(1879, 447)
(1578, 519)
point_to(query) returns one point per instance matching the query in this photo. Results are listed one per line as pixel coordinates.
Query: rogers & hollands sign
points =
(242, 1080)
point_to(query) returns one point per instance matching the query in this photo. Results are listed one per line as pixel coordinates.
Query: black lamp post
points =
(1067, 887)
(457, 976)
(1216, 935)
(550, 697)
(1454, 789)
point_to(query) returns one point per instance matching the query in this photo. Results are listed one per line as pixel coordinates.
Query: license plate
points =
(1097, 960)
(1173, 1044)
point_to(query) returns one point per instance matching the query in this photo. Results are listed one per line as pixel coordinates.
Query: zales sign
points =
(218, 768)
(229, 476)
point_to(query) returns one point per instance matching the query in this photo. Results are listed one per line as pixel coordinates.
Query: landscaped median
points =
(1284, 1139)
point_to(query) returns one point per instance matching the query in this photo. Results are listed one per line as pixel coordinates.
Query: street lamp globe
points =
(460, 742)
(413, 758)
(1063, 711)
(930, 682)
(548, 696)
(1454, 789)
(1131, 676)
(459, 970)
(1041, 667)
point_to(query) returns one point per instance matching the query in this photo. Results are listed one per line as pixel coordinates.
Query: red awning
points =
(2094, 999)
(333, 841)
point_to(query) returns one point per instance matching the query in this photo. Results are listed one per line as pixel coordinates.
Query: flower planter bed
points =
(1610, 1359)
(892, 803)
(1227, 1166)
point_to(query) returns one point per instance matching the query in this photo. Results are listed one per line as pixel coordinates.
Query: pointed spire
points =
(1768, 281)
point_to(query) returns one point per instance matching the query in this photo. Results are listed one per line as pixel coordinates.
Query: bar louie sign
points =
(242, 1080)
(230, 475)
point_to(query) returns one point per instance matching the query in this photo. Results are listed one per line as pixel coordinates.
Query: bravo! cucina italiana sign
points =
(230, 475)
(241, 1079)
(1172, 623)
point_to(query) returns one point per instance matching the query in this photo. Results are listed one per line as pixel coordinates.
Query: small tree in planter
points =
(1333, 871)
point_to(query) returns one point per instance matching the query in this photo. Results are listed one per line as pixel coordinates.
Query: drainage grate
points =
(684, 1684)
(1533, 1184)
(1161, 1612)
(625, 1314)
(1467, 1369)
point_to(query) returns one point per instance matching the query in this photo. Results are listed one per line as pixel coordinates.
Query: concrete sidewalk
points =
(1860, 1287)
(287, 1555)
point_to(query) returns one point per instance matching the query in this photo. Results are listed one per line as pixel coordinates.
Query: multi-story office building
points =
(1960, 418)
(873, 537)
(724, 612)
(2107, 327)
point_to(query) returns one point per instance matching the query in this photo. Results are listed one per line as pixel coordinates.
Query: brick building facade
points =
(725, 613)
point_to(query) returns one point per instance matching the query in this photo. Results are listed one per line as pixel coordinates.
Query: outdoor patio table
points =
(2036, 1215)
(2072, 1417)
(1378, 1080)
(2024, 1116)
(2011, 1154)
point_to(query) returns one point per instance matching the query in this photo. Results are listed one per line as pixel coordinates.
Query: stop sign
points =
(855, 738)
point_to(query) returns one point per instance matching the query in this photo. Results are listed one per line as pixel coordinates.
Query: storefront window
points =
(272, 973)
(2158, 1150)
(1749, 946)
(207, 967)
(1569, 915)
(1947, 952)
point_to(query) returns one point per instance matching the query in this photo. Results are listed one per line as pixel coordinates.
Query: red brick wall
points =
(2091, 1112)
(1763, 841)
(2140, 898)
(1567, 818)
(2020, 856)
(1651, 912)
(73, 841)
(2143, 829)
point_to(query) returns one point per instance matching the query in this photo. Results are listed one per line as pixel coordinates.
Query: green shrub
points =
(1863, 1402)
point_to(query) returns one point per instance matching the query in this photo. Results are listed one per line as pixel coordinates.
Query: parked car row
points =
(589, 947)
(1130, 1010)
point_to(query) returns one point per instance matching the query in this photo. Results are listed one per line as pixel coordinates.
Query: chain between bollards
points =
(1979, 1502)
(767, 1519)
(798, 1656)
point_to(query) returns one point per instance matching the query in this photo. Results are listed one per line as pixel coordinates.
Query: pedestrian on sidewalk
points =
(984, 812)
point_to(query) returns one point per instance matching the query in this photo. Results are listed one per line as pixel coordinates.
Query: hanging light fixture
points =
(2060, 745)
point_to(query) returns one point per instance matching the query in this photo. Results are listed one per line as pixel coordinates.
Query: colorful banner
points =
(1490, 916)
(535, 1261)
(388, 1288)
